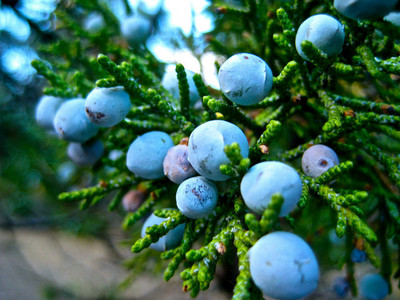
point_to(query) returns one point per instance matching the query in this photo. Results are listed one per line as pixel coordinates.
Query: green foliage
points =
(316, 102)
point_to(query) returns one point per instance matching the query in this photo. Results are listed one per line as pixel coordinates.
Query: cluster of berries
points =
(282, 265)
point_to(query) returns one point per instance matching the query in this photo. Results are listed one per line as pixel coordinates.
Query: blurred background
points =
(49, 249)
(53, 250)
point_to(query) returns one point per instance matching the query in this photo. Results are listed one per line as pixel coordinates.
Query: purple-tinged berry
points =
(132, 200)
(176, 164)
(318, 159)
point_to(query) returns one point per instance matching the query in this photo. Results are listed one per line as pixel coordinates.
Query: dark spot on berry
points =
(323, 163)
(89, 113)
(163, 141)
(238, 93)
(203, 166)
(246, 57)
(99, 116)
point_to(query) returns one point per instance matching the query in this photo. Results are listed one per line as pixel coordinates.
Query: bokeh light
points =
(16, 62)
(17, 27)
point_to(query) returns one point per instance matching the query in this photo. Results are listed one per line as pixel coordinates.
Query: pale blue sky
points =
(185, 15)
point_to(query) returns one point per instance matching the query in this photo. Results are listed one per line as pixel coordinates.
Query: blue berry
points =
(358, 256)
(169, 241)
(197, 197)
(364, 9)
(283, 266)
(267, 178)
(136, 30)
(325, 32)
(46, 110)
(394, 18)
(206, 147)
(170, 83)
(245, 79)
(93, 23)
(146, 154)
(341, 287)
(374, 287)
(318, 159)
(176, 165)
(85, 154)
(107, 107)
(72, 124)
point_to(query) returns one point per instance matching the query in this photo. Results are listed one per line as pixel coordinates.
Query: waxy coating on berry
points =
(374, 287)
(283, 266)
(170, 82)
(85, 154)
(107, 107)
(146, 154)
(364, 9)
(197, 197)
(245, 79)
(132, 200)
(169, 241)
(136, 29)
(46, 110)
(176, 164)
(325, 32)
(318, 159)
(206, 147)
(265, 179)
(72, 124)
